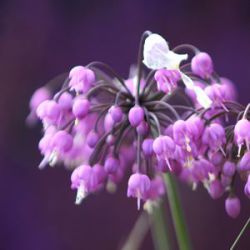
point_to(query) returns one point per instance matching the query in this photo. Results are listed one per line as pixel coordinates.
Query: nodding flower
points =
(242, 134)
(81, 79)
(164, 148)
(138, 186)
(214, 136)
(166, 119)
(167, 80)
(202, 65)
(232, 206)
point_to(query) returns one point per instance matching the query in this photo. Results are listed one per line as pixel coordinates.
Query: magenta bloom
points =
(242, 133)
(214, 136)
(138, 186)
(201, 169)
(167, 80)
(202, 65)
(217, 93)
(85, 180)
(111, 165)
(136, 116)
(92, 139)
(244, 163)
(215, 189)
(116, 113)
(147, 147)
(247, 187)
(80, 108)
(81, 79)
(40, 95)
(143, 128)
(49, 111)
(62, 141)
(229, 168)
(65, 101)
(232, 206)
(164, 148)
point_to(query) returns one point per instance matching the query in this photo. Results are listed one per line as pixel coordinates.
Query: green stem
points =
(159, 229)
(177, 213)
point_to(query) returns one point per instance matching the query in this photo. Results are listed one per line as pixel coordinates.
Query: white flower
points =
(157, 55)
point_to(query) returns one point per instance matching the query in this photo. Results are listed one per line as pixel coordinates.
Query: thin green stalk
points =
(240, 234)
(177, 213)
(159, 229)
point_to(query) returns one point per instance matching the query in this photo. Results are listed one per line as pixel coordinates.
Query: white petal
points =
(157, 55)
(187, 81)
(174, 60)
(154, 41)
(202, 97)
(155, 51)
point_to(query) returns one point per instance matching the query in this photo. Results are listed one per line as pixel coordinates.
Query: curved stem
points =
(59, 94)
(103, 86)
(157, 123)
(148, 80)
(167, 106)
(138, 153)
(139, 65)
(186, 46)
(101, 114)
(246, 111)
(113, 73)
(177, 213)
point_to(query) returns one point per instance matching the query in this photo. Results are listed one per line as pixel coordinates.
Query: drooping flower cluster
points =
(177, 117)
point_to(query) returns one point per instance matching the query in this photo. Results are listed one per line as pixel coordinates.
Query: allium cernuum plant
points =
(174, 115)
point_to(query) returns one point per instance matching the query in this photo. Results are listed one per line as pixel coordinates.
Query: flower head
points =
(168, 120)
(138, 186)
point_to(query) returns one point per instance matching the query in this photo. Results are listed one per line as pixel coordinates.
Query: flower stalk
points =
(177, 213)
(159, 228)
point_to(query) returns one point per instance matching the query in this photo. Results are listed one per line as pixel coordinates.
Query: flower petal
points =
(201, 96)
(157, 55)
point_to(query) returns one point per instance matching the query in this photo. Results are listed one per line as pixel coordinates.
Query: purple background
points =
(38, 40)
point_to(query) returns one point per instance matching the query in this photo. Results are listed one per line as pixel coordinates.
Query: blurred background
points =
(40, 39)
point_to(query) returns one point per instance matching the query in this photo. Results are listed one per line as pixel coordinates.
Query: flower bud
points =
(116, 113)
(111, 165)
(232, 206)
(202, 65)
(244, 163)
(136, 116)
(62, 141)
(81, 79)
(92, 139)
(229, 168)
(216, 189)
(80, 108)
(147, 147)
(142, 129)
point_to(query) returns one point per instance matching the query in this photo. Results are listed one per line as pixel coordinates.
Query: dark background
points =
(40, 39)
